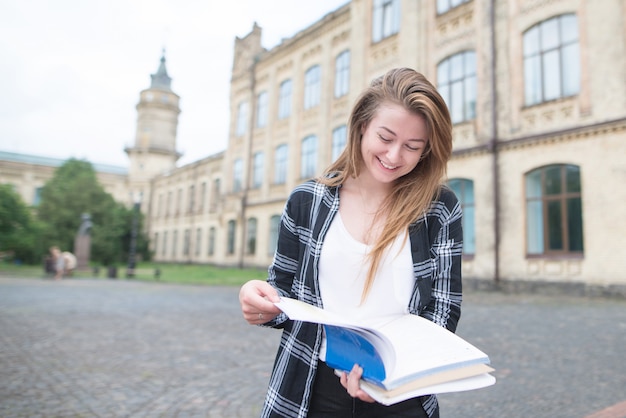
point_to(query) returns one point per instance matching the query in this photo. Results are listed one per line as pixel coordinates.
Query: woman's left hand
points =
(351, 381)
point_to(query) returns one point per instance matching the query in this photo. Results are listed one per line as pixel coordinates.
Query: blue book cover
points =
(345, 348)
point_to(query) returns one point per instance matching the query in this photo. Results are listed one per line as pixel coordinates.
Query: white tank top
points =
(343, 270)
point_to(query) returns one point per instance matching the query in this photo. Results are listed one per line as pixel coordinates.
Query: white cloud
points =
(73, 69)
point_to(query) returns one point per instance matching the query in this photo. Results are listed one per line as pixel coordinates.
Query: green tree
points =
(74, 190)
(19, 231)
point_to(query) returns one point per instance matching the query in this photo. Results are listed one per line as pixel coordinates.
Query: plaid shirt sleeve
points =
(445, 237)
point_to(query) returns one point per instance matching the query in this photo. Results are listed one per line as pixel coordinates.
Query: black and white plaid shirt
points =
(436, 245)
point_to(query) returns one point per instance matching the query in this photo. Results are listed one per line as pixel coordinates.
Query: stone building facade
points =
(537, 92)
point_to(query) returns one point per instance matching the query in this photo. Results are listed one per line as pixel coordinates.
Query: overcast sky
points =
(71, 70)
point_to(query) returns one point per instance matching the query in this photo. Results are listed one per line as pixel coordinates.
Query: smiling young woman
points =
(377, 234)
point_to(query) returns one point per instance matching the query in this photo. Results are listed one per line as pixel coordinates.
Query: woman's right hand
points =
(257, 299)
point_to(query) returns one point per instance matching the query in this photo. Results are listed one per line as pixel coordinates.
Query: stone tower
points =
(154, 151)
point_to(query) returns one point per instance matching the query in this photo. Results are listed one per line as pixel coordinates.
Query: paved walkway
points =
(118, 348)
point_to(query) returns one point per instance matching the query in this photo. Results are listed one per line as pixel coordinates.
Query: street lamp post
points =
(132, 252)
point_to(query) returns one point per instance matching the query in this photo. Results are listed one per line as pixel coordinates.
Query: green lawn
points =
(170, 273)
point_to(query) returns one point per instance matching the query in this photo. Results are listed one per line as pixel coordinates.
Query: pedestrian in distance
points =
(378, 233)
(59, 262)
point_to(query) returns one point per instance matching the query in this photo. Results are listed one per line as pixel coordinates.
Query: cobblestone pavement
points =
(119, 348)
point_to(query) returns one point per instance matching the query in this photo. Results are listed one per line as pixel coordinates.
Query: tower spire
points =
(160, 80)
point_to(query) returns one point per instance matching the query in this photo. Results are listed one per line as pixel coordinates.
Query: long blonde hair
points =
(412, 193)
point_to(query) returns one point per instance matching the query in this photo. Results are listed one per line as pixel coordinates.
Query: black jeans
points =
(331, 400)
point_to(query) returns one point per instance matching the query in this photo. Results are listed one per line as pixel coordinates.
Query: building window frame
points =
(444, 6)
(464, 191)
(258, 161)
(198, 248)
(308, 157)
(385, 19)
(284, 99)
(456, 82)
(211, 242)
(342, 74)
(238, 175)
(281, 156)
(274, 229)
(554, 212)
(230, 237)
(262, 108)
(312, 87)
(242, 119)
(339, 140)
(251, 236)
(551, 56)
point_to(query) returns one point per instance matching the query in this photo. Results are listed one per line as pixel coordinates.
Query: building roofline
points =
(57, 162)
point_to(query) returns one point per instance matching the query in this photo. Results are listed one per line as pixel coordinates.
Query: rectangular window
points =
(445, 5)
(251, 241)
(385, 19)
(464, 190)
(284, 100)
(215, 196)
(211, 243)
(312, 87)
(280, 164)
(202, 197)
(238, 175)
(230, 245)
(456, 82)
(198, 240)
(242, 119)
(186, 242)
(262, 109)
(554, 223)
(179, 202)
(273, 235)
(37, 197)
(257, 170)
(551, 60)
(308, 158)
(339, 141)
(192, 198)
(342, 74)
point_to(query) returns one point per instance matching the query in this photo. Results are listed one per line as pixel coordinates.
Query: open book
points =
(402, 357)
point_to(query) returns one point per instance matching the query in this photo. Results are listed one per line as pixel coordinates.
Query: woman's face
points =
(393, 143)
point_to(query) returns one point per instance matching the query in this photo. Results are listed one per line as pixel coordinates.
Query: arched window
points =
(444, 6)
(385, 19)
(551, 60)
(554, 219)
(456, 82)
